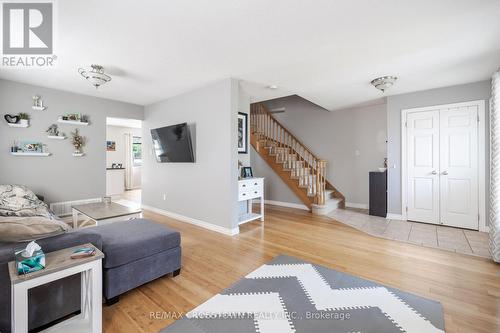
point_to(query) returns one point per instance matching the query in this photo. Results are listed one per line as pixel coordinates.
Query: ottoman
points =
(136, 252)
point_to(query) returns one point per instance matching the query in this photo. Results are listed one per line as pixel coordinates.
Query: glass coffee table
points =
(101, 212)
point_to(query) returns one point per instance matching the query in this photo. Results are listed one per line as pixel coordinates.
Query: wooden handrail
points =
(264, 109)
(312, 170)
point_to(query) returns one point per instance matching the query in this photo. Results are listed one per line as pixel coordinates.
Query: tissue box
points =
(29, 264)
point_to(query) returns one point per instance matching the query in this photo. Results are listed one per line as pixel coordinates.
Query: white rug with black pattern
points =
(289, 295)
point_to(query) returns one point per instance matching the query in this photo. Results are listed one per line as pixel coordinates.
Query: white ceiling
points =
(324, 50)
(123, 122)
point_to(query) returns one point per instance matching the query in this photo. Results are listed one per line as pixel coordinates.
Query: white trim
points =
(190, 220)
(284, 204)
(63, 208)
(391, 216)
(481, 155)
(482, 143)
(133, 188)
(356, 205)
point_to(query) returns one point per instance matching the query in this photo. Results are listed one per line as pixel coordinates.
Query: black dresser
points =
(378, 193)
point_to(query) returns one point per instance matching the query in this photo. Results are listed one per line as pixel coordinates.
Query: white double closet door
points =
(442, 166)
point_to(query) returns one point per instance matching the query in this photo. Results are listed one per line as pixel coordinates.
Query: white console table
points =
(249, 189)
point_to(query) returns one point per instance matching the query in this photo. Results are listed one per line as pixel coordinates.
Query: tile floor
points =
(446, 238)
(129, 195)
(130, 198)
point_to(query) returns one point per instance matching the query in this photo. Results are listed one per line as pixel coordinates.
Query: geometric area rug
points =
(290, 295)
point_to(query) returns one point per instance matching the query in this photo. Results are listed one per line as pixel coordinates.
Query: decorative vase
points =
(24, 122)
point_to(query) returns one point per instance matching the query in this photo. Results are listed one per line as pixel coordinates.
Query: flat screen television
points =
(173, 144)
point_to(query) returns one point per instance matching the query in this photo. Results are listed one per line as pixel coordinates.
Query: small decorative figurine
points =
(38, 103)
(78, 142)
(53, 130)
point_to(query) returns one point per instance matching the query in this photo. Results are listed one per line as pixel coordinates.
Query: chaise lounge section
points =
(137, 251)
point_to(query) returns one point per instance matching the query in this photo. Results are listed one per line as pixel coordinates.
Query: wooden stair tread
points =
(278, 147)
(330, 199)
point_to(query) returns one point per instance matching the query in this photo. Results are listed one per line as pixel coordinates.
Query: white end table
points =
(58, 265)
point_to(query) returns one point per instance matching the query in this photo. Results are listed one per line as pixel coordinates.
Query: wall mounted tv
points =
(173, 144)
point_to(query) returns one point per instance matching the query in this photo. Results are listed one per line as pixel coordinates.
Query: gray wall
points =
(207, 189)
(60, 177)
(454, 94)
(337, 137)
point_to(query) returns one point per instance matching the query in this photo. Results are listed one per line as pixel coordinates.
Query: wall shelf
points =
(18, 125)
(30, 154)
(38, 108)
(78, 155)
(56, 137)
(72, 122)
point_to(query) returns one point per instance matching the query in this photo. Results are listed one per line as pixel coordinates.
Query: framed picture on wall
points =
(110, 145)
(242, 133)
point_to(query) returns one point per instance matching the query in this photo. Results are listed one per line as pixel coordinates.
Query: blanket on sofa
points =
(17, 200)
(24, 217)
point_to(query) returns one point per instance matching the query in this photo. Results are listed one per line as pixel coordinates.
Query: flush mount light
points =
(95, 75)
(383, 83)
(272, 87)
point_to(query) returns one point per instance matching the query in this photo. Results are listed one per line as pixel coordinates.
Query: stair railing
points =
(290, 151)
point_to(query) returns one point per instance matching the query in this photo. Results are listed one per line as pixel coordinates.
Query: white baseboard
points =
(199, 223)
(401, 217)
(63, 208)
(484, 228)
(284, 204)
(356, 205)
(391, 216)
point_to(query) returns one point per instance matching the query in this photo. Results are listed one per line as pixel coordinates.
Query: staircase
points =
(302, 171)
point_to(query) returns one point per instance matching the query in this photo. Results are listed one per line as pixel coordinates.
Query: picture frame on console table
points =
(246, 172)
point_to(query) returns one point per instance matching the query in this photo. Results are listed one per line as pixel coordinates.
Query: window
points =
(137, 150)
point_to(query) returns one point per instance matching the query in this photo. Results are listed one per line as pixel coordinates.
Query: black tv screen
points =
(173, 144)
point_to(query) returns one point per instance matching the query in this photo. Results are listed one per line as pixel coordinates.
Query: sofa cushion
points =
(127, 241)
(21, 229)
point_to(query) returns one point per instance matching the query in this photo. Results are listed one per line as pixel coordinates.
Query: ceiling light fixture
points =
(95, 75)
(383, 83)
(272, 87)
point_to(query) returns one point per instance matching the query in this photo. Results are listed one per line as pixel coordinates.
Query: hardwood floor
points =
(468, 287)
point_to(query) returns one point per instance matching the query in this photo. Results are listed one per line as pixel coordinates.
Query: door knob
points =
(445, 173)
(434, 172)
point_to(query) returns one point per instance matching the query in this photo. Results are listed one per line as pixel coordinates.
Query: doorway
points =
(443, 155)
(124, 160)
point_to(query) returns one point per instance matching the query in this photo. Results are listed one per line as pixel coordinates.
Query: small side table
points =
(58, 265)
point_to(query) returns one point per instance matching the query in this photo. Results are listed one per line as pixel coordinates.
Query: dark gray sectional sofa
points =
(136, 252)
